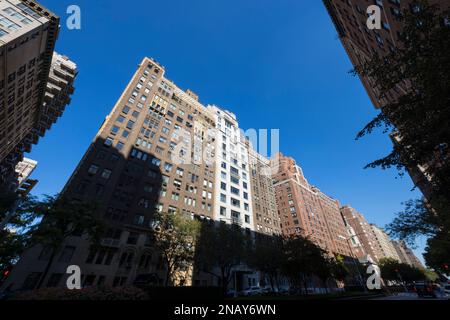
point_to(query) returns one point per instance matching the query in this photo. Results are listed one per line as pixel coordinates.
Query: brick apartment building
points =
(159, 149)
(306, 211)
(372, 250)
(265, 213)
(361, 43)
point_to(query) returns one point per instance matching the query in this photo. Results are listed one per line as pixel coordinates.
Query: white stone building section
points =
(233, 199)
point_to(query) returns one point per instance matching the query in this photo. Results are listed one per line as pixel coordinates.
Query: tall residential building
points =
(364, 233)
(233, 194)
(305, 210)
(265, 214)
(28, 103)
(159, 149)
(406, 255)
(384, 243)
(350, 19)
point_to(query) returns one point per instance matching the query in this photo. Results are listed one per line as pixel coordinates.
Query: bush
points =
(91, 293)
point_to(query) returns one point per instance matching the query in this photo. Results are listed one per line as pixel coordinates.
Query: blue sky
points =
(275, 64)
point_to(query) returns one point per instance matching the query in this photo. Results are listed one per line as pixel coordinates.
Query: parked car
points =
(252, 291)
(427, 289)
(231, 293)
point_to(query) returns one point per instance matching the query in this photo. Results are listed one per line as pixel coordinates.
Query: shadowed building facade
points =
(157, 151)
(361, 44)
(35, 82)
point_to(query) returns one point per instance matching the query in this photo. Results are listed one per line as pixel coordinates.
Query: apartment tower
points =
(28, 104)
(305, 210)
(363, 231)
(384, 243)
(350, 19)
(158, 150)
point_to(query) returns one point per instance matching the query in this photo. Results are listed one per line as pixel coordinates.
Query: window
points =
(135, 114)
(180, 172)
(246, 207)
(244, 184)
(235, 202)
(66, 254)
(106, 173)
(126, 109)
(114, 130)
(108, 142)
(246, 195)
(223, 175)
(139, 220)
(223, 198)
(6, 23)
(234, 190)
(223, 211)
(119, 145)
(167, 167)
(93, 169)
(223, 165)
(247, 218)
(223, 186)
(3, 32)
(234, 180)
(130, 124)
(125, 134)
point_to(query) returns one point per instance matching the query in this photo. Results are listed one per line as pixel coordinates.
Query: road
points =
(407, 296)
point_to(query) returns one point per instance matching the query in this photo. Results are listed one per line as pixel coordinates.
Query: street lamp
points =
(354, 261)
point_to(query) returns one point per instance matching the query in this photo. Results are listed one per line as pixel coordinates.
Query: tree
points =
(16, 215)
(175, 237)
(412, 84)
(338, 268)
(63, 218)
(418, 115)
(222, 248)
(302, 259)
(396, 271)
(266, 256)
(418, 219)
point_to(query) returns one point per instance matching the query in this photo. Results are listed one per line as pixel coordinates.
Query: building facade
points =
(35, 82)
(28, 33)
(406, 255)
(265, 214)
(350, 19)
(159, 150)
(384, 243)
(233, 194)
(363, 231)
(305, 210)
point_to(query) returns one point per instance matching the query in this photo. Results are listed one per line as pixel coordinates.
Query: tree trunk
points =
(47, 269)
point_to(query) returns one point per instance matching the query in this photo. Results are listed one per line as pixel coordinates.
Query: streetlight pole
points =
(354, 263)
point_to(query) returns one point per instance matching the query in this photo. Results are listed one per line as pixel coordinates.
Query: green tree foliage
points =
(393, 270)
(303, 259)
(418, 219)
(63, 218)
(420, 115)
(413, 81)
(175, 237)
(267, 257)
(221, 249)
